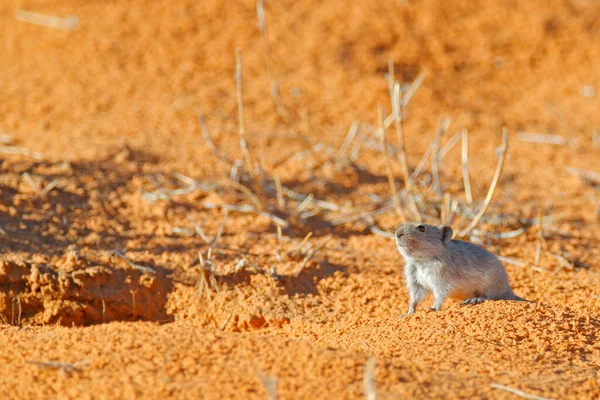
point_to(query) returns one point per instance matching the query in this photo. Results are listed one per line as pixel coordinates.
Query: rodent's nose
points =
(398, 234)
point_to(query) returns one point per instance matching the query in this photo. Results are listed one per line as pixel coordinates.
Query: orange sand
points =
(112, 109)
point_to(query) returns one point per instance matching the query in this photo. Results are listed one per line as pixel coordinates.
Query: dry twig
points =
(369, 379)
(490, 194)
(388, 165)
(517, 392)
(465, 166)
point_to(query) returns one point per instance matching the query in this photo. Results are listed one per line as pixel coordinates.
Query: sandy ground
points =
(110, 156)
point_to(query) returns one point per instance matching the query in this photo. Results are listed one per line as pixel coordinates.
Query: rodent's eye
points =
(421, 228)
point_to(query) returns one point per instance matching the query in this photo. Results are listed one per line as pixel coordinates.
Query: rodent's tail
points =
(511, 296)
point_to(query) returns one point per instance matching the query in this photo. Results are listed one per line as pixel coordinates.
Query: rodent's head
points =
(419, 241)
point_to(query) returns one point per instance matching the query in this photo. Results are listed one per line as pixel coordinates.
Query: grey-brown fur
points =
(436, 263)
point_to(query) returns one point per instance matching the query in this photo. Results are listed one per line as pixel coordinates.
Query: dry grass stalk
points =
(564, 261)
(220, 231)
(313, 252)
(375, 229)
(21, 151)
(538, 254)
(302, 243)
(542, 245)
(207, 283)
(449, 145)
(357, 216)
(210, 143)
(398, 120)
(352, 132)
(414, 86)
(586, 176)
(50, 186)
(304, 203)
(422, 162)
(490, 194)
(133, 265)
(391, 118)
(369, 379)
(279, 192)
(65, 368)
(275, 92)
(247, 193)
(34, 185)
(435, 156)
(465, 166)
(226, 322)
(544, 138)
(517, 392)
(388, 165)
(241, 124)
(262, 25)
(16, 300)
(48, 21)
(596, 139)
(199, 231)
(270, 385)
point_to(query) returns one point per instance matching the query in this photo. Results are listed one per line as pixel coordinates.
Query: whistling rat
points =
(461, 270)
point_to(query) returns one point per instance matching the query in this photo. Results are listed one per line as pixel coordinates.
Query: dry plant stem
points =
(131, 263)
(375, 229)
(538, 254)
(542, 245)
(312, 253)
(241, 125)
(269, 383)
(21, 151)
(304, 203)
(226, 322)
(588, 176)
(262, 25)
(488, 198)
(422, 162)
(449, 145)
(391, 80)
(279, 192)
(199, 231)
(369, 379)
(435, 156)
(517, 392)
(210, 143)
(557, 140)
(48, 21)
(398, 120)
(356, 217)
(465, 166)
(248, 193)
(34, 185)
(391, 117)
(64, 367)
(414, 86)
(352, 132)
(275, 92)
(301, 245)
(221, 228)
(388, 166)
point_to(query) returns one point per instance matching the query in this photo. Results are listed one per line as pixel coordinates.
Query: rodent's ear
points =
(446, 234)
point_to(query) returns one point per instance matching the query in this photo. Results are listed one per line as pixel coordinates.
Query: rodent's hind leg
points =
(473, 301)
(439, 298)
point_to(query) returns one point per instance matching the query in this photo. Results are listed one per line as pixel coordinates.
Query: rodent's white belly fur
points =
(428, 275)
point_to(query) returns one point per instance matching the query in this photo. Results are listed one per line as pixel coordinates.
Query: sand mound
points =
(76, 293)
